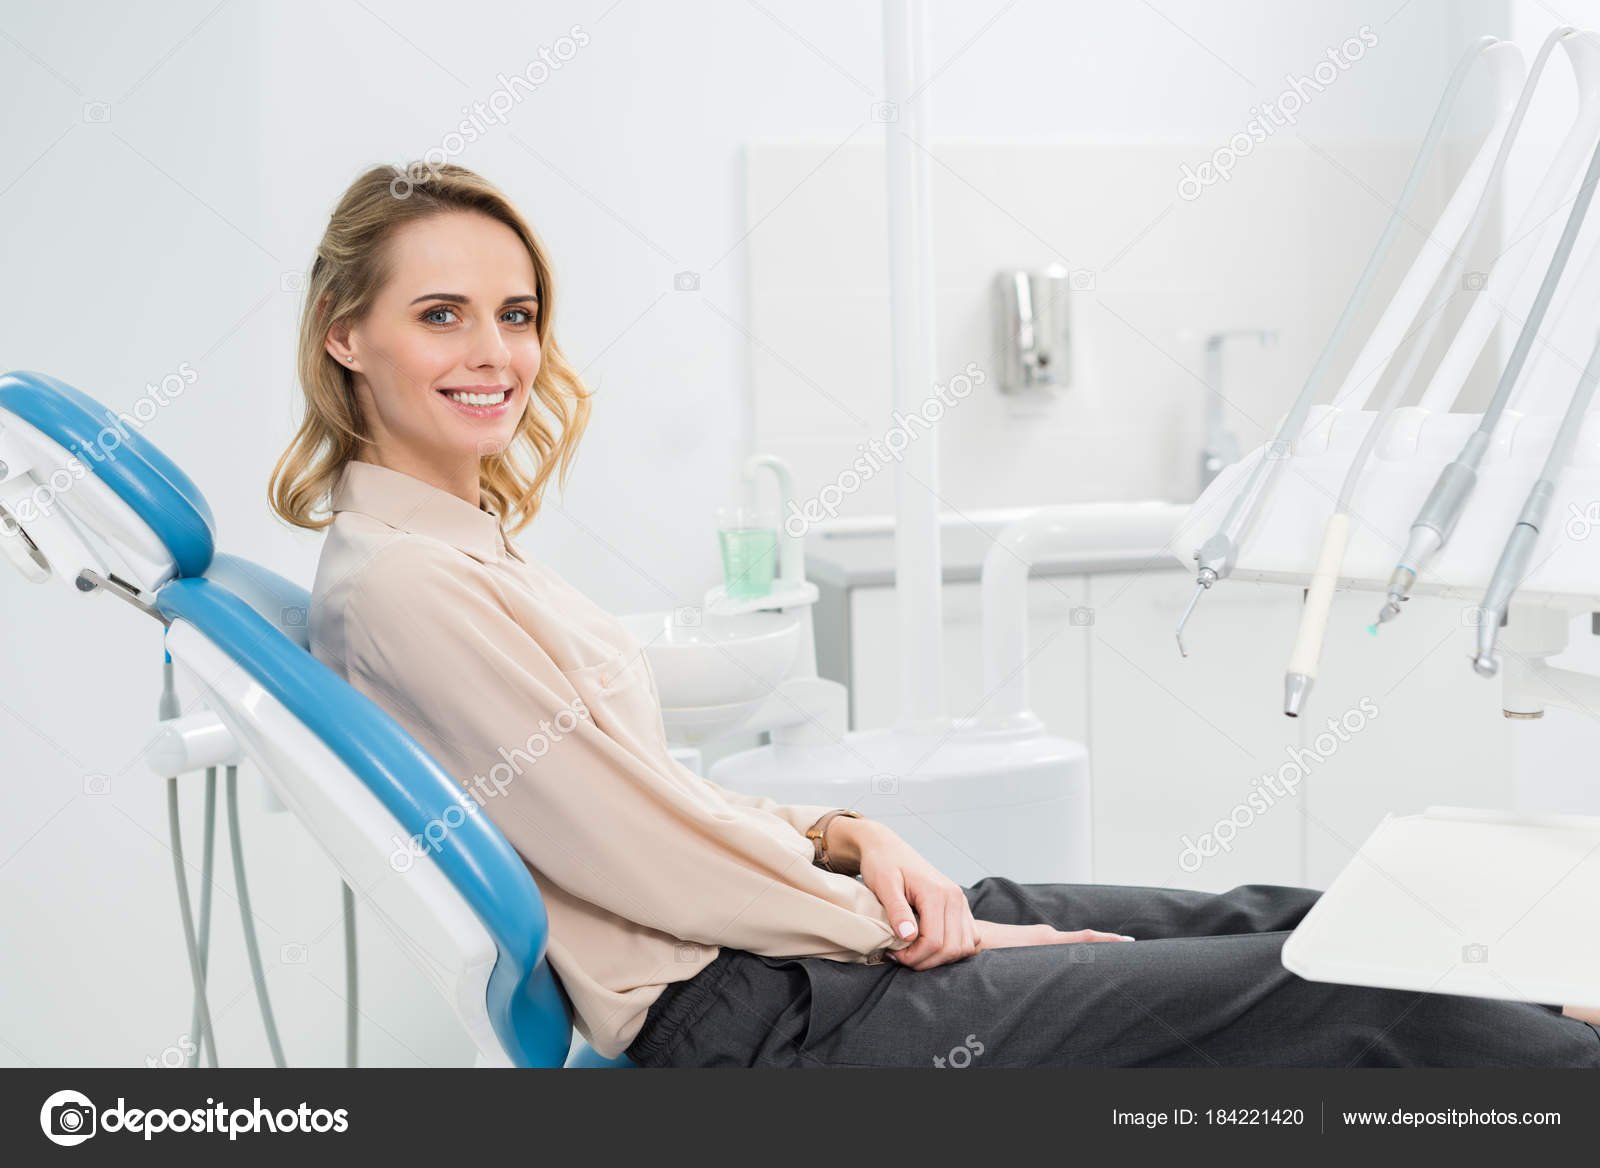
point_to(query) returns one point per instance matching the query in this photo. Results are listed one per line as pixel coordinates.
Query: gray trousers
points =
(1201, 985)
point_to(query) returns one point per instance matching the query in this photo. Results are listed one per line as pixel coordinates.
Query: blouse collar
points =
(407, 503)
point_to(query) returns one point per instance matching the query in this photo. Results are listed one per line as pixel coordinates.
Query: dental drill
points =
(1481, 185)
(1442, 509)
(1513, 564)
(1218, 554)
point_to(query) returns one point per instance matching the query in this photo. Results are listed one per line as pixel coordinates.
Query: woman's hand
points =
(994, 935)
(924, 905)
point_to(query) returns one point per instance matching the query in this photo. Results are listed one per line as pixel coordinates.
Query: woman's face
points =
(457, 315)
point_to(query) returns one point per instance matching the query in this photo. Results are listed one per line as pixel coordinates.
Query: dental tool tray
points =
(1456, 900)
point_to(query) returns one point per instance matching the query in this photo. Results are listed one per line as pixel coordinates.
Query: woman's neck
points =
(462, 482)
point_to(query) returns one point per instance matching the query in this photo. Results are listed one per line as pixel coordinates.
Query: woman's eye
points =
(429, 316)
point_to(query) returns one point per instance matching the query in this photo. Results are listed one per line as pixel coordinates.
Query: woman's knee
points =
(1010, 902)
(1267, 908)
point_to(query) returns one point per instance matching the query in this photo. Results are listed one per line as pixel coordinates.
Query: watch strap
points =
(817, 833)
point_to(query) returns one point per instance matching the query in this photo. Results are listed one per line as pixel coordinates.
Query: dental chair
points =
(89, 502)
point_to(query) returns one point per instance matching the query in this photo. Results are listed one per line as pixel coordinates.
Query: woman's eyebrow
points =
(457, 298)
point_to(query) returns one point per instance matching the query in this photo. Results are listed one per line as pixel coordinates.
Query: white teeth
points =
(477, 399)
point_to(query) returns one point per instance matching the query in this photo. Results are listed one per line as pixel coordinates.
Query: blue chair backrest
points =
(529, 1010)
(259, 619)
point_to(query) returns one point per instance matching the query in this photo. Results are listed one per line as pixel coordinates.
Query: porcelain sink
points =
(723, 662)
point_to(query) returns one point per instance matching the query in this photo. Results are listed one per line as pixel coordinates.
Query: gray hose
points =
(252, 947)
(1541, 302)
(167, 708)
(351, 982)
(1217, 553)
(1443, 507)
(208, 855)
(195, 972)
(1215, 557)
(1433, 312)
(1519, 546)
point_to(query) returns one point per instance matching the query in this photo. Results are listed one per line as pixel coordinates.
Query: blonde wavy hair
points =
(352, 264)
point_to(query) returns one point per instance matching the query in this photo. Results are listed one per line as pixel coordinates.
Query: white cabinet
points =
(1439, 737)
(1185, 750)
(1199, 779)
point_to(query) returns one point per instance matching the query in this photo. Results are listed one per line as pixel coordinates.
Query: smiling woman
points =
(692, 925)
(428, 336)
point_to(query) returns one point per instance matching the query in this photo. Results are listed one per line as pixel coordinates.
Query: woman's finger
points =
(955, 942)
(895, 906)
(1096, 935)
(930, 923)
(959, 929)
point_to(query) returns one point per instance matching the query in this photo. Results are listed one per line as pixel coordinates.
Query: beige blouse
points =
(544, 708)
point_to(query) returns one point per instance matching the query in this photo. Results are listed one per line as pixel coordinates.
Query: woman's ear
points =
(338, 344)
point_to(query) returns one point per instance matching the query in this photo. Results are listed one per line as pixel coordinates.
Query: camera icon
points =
(885, 784)
(686, 616)
(1474, 954)
(1082, 280)
(1081, 953)
(293, 616)
(72, 1121)
(1582, 521)
(491, 447)
(408, 179)
(1475, 281)
(686, 282)
(96, 111)
(97, 784)
(1082, 615)
(686, 951)
(1278, 448)
(1472, 617)
(885, 111)
(292, 282)
(293, 953)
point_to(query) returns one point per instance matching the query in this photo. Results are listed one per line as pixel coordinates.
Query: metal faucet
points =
(1221, 444)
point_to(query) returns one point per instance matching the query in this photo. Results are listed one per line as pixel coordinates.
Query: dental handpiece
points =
(1427, 289)
(1513, 564)
(1442, 509)
(1217, 556)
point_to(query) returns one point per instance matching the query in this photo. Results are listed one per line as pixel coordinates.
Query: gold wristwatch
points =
(817, 833)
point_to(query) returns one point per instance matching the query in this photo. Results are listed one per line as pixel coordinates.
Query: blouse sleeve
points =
(799, 816)
(430, 639)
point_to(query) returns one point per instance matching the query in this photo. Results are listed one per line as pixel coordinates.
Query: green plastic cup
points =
(749, 541)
